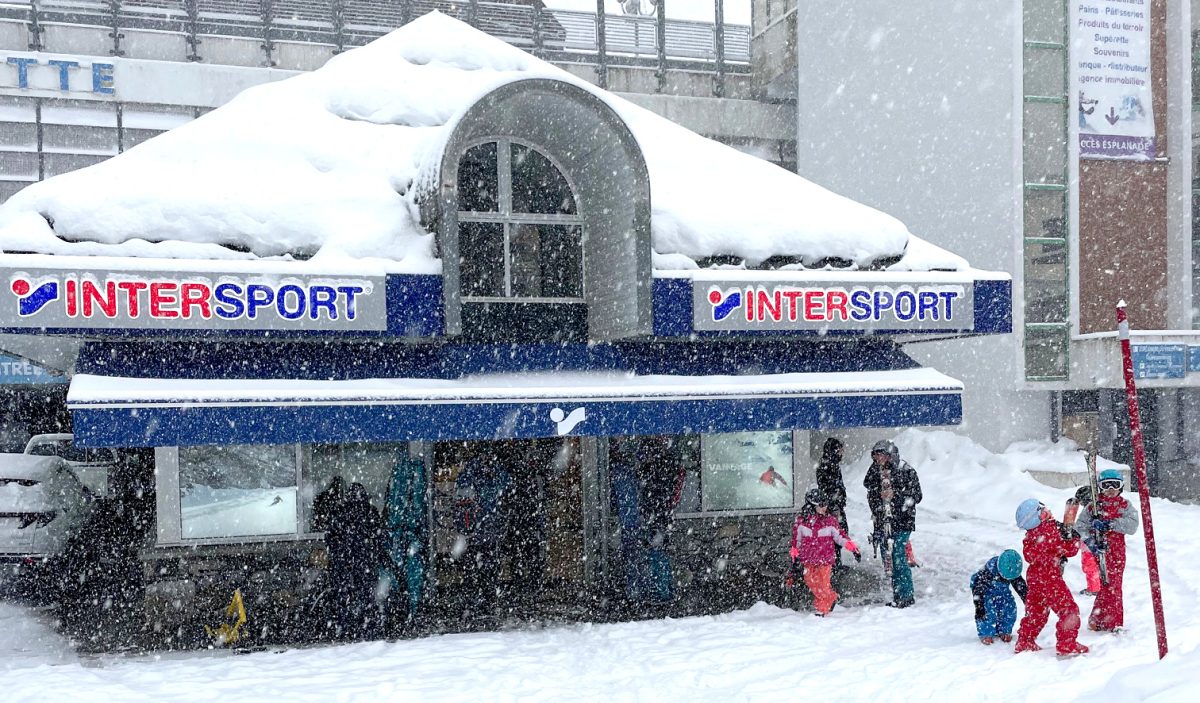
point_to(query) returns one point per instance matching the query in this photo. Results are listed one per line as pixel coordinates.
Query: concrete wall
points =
(915, 109)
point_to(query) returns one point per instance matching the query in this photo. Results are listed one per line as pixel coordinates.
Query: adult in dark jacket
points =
(893, 492)
(355, 539)
(830, 484)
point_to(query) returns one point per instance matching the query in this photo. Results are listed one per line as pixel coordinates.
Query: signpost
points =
(1139, 465)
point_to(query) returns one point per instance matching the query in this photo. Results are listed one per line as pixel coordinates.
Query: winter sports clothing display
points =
(813, 538)
(893, 492)
(1046, 547)
(1113, 519)
(991, 591)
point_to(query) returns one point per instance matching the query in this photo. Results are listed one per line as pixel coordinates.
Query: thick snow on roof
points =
(331, 165)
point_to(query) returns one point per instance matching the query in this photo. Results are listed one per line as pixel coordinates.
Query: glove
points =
(1094, 545)
(795, 552)
(1100, 526)
(858, 557)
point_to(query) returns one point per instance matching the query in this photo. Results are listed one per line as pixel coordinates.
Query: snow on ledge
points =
(88, 390)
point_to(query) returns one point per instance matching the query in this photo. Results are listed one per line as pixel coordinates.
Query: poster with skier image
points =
(1110, 62)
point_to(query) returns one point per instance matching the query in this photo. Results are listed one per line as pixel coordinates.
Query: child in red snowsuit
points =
(813, 536)
(1104, 530)
(1047, 545)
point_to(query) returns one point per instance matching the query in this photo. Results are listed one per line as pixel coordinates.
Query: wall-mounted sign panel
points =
(15, 371)
(1193, 358)
(1159, 360)
(60, 299)
(831, 305)
(1110, 60)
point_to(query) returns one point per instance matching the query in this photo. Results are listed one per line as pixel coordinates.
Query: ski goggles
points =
(1111, 483)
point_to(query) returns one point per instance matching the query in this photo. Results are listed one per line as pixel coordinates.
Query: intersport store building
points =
(480, 255)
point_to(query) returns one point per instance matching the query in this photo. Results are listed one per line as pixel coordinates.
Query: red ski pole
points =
(1139, 465)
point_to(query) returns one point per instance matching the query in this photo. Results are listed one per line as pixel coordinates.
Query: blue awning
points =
(112, 411)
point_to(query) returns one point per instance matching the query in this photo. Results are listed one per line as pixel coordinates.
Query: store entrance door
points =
(508, 517)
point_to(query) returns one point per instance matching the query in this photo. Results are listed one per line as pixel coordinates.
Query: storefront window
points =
(237, 491)
(734, 472)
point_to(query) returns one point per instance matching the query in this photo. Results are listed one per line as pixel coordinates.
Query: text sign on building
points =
(1110, 58)
(180, 300)
(1159, 360)
(831, 305)
(64, 74)
(19, 372)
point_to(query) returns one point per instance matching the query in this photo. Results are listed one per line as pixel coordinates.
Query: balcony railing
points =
(558, 35)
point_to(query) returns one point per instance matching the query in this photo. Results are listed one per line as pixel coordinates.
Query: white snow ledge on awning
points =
(92, 391)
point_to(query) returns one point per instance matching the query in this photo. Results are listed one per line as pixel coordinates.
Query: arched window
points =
(519, 227)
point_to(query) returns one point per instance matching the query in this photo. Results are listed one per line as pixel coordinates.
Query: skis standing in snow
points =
(814, 535)
(1087, 560)
(893, 491)
(1105, 525)
(1047, 546)
(991, 589)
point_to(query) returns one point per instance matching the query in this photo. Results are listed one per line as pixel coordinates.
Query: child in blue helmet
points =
(991, 589)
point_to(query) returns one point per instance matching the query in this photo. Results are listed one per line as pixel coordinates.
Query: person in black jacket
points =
(355, 540)
(829, 482)
(893, 492)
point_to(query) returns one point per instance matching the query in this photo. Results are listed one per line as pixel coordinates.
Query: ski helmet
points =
(1110, 475)
(816, 497)
(1009, 564)
(1029, 514)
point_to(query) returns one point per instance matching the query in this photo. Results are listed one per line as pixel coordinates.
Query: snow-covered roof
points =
(332, 165)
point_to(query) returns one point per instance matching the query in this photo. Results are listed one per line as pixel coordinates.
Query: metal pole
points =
(1139, 465)
(719, 41)
(601, 47)
(660, 26)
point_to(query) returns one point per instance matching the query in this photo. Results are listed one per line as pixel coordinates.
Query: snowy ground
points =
(764, 653)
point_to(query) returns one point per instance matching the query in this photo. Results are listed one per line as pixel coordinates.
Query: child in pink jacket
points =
(814, 534)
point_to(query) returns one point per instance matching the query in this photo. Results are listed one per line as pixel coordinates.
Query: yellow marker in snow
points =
(230, 631)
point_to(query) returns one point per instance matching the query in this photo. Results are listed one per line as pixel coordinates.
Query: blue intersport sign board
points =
(19, 372)
(1159, 360)
(1193, 359)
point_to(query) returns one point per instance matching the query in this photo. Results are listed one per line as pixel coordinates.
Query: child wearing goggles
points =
(1103, 528)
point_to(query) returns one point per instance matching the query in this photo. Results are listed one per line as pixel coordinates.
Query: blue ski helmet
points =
(1009, 564)
(1029, 514)
(1110, 475)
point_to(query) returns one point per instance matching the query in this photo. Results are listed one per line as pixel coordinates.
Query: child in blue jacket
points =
(995, 608)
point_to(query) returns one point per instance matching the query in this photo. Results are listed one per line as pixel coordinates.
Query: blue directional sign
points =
(1159, 360)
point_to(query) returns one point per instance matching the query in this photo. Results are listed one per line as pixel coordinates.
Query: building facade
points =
(1054, 139)
(656, 407)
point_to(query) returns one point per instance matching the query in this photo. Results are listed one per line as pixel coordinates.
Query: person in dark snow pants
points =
(893, 492)
(483, 496)
(1104, 530)
(1047, 546)
(831, 485)
(355, 540)
(991, 590)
